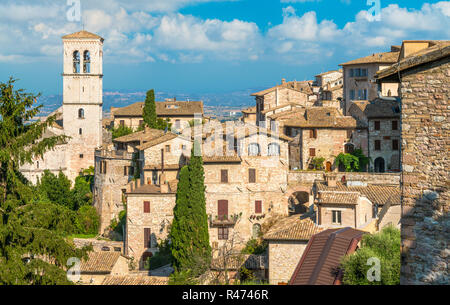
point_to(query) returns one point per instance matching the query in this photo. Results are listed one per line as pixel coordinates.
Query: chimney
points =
(283, 81)
(330, 179)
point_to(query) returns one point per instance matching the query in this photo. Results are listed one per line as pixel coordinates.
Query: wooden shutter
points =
(258, 206)
(224, 176)
(311, 133)
(251, 175)
(222, 209)
(146, 206)
(147, 238)
(312, 152)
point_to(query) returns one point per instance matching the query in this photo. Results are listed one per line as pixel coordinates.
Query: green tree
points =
(149, 112)
(56, 189)
(385, 246)
(82, 191)
(353, 162)
(27, 235)
(121, 131)
(87, 220)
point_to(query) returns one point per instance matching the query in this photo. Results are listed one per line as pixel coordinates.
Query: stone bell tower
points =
(82, 99)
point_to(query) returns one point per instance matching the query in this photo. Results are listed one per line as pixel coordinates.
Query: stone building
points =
(383, 120)
(355, 204)
(323, 132)
(249, 115)
(359, 75)
(423, 75)
(180, 113)
(80, 116)
(330, 88)
(99, 265)
(287, 241)
(300, 93)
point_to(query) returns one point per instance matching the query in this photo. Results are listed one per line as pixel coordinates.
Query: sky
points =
(195, 46)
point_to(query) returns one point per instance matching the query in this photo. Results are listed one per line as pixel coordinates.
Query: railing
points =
(223, 220)
(116, 154)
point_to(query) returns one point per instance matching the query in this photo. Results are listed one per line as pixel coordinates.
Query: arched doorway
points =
(298, 202)
(328, 166)
(379, 165)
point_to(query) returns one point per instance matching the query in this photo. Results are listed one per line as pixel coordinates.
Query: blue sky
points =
(195, 46)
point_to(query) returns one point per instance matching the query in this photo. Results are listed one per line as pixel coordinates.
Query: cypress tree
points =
(149, 112)
(179, 232)
(196, 197)
(27, 229)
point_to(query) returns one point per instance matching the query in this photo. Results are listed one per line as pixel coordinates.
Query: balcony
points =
(223, 220)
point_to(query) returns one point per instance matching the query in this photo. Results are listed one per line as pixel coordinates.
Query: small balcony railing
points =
(223, 220)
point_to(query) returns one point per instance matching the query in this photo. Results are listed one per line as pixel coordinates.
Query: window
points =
(37, 164)
(222, 209)
(364, 94)
(352, 94)
(76, 62)
(86, 62)
(125, 170)
(253, 149)
(122, 123)
(258, 207)
(252, 175)
(395, 145)
(167, 148)
(131, 170)
(377, 125)
(273, 149)
(374, 211)
(141, 122)
(80, 131)
(363, 72)
(81, 113)
(394, 125)
(81, 156)
(377, 145)
(313, 134)
(224, 176)
(336, 217)
(103, 167)
(146, 206)
(348, 148)
(147, 238)
(352, 73)
(183, 147)
(312, 152)
(222, 233)
(177, 124)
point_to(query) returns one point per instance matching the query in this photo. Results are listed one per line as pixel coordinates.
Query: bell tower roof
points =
(82, 34)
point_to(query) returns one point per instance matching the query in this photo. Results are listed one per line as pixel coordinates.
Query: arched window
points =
(379, 165)
(254, 149)
(81, 113)
(76, 62)
(256, 230)
(86, 62)
(273, 149)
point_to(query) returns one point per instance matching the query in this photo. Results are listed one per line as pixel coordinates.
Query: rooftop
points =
(303, 86)
(141, 136)
(321, 117)
(376, 58)
(172, 108)
(99, 262)
(292, 228)
(382, 108)
(82, 35)
(133, 280)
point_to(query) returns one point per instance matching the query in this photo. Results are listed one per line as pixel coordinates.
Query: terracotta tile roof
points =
(150, 167)
(292, 228)
(250, 110)
(146, 189)
(303, 86)
(134, 280)
(437, 50)
(235, 262)
(99, 262)
(141, 136)
(329, 72)
(377, 194)
(164, 138)
(376, 58)
(382, 108)
(292, 105)
(338, 197)
(288, 114)
(174, 108)
(82, 35)
(319, 264)
(325, 117)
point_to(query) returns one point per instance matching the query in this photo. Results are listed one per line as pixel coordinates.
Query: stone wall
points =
(308, 177)
(426, 162)
(386, 136)
(284, 257)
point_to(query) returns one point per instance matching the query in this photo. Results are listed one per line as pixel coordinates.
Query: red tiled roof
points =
(321, 259)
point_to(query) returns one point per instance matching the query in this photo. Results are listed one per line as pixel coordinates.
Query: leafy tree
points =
(162, 257)
(121, 131)
(385, 246)
(82, 191)
(87, 220)
(149, 112)
(56, 189)
(363, 160)
(352, 162)
(317, 162)
(255, 246)
(33, 249)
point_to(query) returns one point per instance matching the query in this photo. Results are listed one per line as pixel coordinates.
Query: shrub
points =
(255, 246)
(87, 220)
(162, 257)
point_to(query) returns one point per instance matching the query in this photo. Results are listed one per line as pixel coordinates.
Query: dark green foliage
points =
(385, 246)
(30, 229)
(162, 257)
(137, 167)
(56, 189)
(81, 193)
(317, 163)
(183, 277)
(149, 112)
(354, 162)
(87, 220)
(121, 131)
(255, 246)
(189, 232)
(117, 226)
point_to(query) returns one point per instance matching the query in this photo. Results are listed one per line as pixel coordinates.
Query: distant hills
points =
(215, 103)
